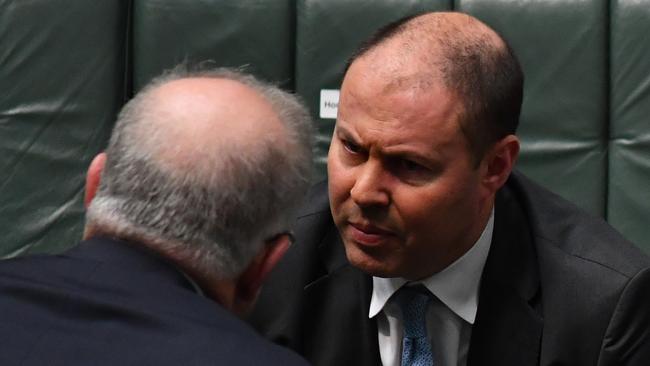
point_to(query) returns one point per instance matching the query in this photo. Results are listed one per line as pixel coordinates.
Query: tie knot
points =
(413, 301)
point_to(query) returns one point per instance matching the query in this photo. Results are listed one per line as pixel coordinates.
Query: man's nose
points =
(370, 186)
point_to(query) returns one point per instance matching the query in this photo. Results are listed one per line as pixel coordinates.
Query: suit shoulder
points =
(317, 200)
(314, 225)
(159, 325)
(245, 348)
(558, 224)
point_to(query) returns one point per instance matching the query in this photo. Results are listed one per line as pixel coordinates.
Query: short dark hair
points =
(385, 32)
(487, 78)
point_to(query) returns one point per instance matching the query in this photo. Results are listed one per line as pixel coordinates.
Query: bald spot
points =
(195, 120)
(418, 54)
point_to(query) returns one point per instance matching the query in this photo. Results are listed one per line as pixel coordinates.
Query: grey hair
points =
(217, 214)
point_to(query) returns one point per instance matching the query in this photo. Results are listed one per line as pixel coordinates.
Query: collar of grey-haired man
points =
(206, 170)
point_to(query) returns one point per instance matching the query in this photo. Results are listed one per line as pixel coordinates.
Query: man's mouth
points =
(367, 234)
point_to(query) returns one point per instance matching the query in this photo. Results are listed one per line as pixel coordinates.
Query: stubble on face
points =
(403, 188)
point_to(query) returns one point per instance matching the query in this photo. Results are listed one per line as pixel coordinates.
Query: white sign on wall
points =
(329, 103)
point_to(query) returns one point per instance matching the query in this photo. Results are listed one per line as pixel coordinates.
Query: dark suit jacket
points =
(559, 288)
(110, 303)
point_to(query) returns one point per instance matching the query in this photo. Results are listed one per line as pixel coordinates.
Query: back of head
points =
(469, 58)
(203, 166)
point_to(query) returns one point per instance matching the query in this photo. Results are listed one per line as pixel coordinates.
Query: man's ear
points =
(499, 162)
(93, 177)
(251, 280)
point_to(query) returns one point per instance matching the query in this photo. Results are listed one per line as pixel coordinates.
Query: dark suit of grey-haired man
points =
(187, 212)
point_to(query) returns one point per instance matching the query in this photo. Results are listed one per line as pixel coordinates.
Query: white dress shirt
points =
(450, 315)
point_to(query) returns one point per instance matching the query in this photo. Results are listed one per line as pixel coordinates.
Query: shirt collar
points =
(195, 286)
(456, 286)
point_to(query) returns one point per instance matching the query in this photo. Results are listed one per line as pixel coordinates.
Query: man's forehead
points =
(377, 102)
(413, 89)
(398, 108)
(395, 68)
(419, 136)
(369, 78)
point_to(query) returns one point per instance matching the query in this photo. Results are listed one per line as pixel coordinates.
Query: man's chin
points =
(371, 263)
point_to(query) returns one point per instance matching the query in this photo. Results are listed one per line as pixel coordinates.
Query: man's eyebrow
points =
(344, 131)
(416, 153)
(416, 156)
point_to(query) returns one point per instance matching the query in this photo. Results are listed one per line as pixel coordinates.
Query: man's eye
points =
(411, 171)
(411, 166)
(351, 147)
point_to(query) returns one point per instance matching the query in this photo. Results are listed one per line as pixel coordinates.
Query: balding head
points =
(461, 53)
(221, 109)
(429, 41)
(194, 122)
(203, 166)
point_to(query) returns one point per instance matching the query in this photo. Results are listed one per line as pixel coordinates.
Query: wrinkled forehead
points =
(398, 64)
(401, 112)
(401, 87)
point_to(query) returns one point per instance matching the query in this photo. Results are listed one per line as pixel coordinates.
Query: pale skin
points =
(406, 194)
(207, 107)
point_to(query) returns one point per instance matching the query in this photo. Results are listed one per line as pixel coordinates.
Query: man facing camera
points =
(187, 212)
(424, 249)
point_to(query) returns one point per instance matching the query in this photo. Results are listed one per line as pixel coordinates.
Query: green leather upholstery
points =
(252, 33)
(628, 196)
(62, 80)
(564, 118)
(67, 66)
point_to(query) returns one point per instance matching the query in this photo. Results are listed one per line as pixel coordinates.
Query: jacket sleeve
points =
(627, 339)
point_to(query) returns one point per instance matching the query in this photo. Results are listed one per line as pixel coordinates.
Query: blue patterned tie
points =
(416, 349)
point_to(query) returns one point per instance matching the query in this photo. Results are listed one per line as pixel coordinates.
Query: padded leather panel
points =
(230, 33)
(62, 77)
(629, 169)
(63, 67)
(328, 33)
(562, 48)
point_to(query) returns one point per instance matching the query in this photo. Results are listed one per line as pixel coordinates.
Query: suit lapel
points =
(508, 327)
(337, 308)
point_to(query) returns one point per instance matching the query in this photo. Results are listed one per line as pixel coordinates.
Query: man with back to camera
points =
(427, 250)
(188, 212)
